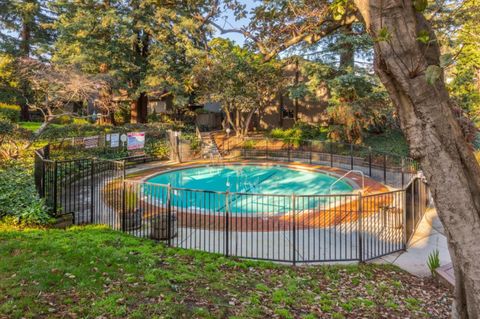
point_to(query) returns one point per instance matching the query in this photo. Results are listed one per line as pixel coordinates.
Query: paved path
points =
(428, 237)
(146, 166)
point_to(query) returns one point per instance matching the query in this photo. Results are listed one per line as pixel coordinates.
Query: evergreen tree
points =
(25, 32)
(143, 46)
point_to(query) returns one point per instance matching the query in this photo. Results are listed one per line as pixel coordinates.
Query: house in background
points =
(210, 116)
(283, 113)
(286, 111)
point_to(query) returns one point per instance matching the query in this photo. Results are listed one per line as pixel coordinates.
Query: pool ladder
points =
(345, 175)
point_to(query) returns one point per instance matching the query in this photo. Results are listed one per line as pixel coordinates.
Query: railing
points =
(390, 169)
(345, 175)
(75, 186)
(289, 228)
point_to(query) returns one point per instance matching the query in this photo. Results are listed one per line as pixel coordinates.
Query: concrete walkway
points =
(428, 237)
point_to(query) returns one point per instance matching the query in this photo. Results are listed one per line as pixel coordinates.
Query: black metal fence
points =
(391, 169)
(287, 228)
(75, 186)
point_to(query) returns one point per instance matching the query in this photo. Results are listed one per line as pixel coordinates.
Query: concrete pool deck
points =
(428, 237)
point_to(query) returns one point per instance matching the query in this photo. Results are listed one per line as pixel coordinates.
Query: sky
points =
(230, 22)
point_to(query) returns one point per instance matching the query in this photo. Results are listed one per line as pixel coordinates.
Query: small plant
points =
(433, 261)
(131, 200)
(249, 144)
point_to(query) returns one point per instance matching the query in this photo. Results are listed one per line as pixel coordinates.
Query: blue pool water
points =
(253, 188)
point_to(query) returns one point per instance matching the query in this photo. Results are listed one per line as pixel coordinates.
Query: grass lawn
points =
(33, 126)
(94, 272)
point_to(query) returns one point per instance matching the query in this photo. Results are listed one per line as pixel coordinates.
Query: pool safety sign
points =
(135, 140)
(90, 142)
(114, 140)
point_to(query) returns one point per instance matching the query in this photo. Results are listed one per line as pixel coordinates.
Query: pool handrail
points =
(345, 175)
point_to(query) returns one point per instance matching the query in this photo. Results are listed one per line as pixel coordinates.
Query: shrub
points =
(19, 202)
(300, 131)
(157, 148)
(63, 120)
(9, 112)
(193, 141)
(249, 144)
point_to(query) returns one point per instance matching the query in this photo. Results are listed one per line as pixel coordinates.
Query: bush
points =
(10, 112)
(299, 132)
(19, 202)
(157, 148)
(193, 141)
(63, 120)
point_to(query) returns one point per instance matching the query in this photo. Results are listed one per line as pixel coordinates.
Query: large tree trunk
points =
(248, 121)
(434, 136)
(25, 35)
(296, 102)
(139, 109)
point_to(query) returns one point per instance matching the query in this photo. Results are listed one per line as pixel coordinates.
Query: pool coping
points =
(371, 186)
(356, 187)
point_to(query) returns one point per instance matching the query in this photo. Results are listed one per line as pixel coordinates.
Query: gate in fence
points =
(76, 186)
(287, 228)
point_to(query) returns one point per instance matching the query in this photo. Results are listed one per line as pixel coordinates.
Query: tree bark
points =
(295, 102)
(434, 136)
(25, 36)
(139, 109)
(248, 121)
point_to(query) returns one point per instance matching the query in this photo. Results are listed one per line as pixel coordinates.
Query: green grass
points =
(96, 272)
(33, 126)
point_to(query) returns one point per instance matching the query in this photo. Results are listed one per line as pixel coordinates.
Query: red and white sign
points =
(135, 140)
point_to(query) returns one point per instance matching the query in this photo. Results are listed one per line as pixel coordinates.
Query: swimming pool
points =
(252, 188)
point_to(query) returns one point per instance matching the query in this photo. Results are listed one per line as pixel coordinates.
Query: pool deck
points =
(428, 237)
(342, 209)
(314, 242)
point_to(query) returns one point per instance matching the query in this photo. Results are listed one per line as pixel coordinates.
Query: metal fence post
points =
(331, 154)
(288, 150)
(266, 148)
(42, 180)
(351, 156)
(55, 190)
(123, 219)
(294, 240)
(311, 148)
(370, 161)
(92, 196)
(169, 215)
(403, 172)
(360, 226)
(226, 224)
(385, 168)
(46, 152)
